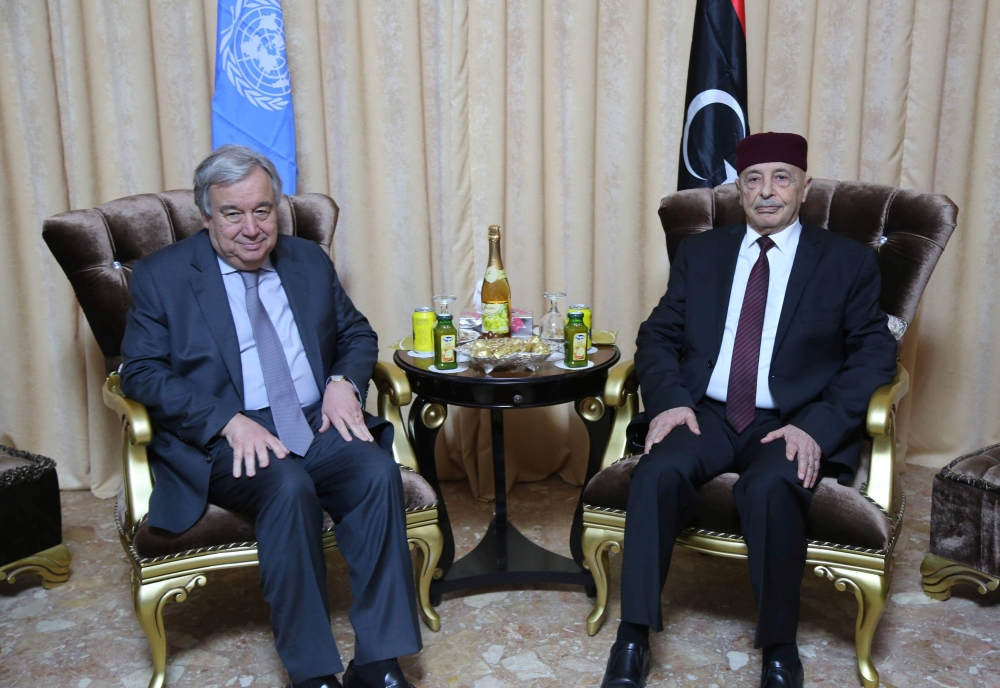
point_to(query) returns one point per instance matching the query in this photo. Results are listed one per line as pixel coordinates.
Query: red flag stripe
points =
(741, 13)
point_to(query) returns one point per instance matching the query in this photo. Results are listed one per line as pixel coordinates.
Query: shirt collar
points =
(228, 269)
(783, 241)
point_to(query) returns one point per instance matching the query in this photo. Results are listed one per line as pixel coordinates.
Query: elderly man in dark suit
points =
(760, 359)
(250, 357)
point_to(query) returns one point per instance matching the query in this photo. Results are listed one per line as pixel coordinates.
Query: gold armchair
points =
(865, 571)
(96, 248)
(163, 578)
(853, 528)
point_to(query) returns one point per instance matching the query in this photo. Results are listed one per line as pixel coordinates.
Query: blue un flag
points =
(252, 104)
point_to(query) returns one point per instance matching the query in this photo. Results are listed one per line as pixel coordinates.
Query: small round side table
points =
(505, 556)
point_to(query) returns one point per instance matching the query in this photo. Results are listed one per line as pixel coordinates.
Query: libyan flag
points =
(715, 107)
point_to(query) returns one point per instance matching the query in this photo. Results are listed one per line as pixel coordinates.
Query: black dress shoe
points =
(778, 674)
(628, 666)
(394, 678)
(328, 682)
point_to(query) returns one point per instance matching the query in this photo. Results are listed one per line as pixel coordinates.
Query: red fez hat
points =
(771, 147)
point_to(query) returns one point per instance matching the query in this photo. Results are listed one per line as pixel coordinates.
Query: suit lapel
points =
(297, 292)
(727, 258)
(806, 256)
(210, 292)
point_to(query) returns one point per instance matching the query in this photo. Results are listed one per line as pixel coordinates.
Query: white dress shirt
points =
(779, 259)
(272, 295)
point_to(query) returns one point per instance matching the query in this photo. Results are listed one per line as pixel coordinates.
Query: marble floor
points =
(84, 635)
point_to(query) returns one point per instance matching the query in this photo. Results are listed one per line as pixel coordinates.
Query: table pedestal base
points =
(506, 559)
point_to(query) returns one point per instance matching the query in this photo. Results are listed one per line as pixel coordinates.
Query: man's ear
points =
(806, 184)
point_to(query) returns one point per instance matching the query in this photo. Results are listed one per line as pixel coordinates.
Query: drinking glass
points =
(551, 324)
(441, 302)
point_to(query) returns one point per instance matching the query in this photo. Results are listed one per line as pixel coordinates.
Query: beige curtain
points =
(427, 121)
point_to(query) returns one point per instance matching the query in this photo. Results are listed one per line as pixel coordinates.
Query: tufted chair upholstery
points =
(909, 229)
(96, 248)
(852, 527)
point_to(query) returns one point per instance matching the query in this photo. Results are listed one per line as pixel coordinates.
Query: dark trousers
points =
(770, 499)
(358, 484)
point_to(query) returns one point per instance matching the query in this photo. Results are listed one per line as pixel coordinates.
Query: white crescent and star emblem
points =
(710, 97)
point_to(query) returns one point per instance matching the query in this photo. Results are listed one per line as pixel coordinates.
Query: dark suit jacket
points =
(832, 350)
(182, 358)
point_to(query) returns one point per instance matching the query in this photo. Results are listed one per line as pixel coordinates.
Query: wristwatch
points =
(335, 378)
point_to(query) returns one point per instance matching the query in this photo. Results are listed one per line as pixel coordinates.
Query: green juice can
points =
(575, 333)
(445, 341)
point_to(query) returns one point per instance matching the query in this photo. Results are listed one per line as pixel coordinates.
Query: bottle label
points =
(448, 348)
(493, 274)
(496, 318)
(580, 346)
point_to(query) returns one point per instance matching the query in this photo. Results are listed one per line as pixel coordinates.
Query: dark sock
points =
(318, 682)
(374, 672)
(781, 652)
(633, 633)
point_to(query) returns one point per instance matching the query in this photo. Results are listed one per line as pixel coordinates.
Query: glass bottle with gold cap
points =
(496, 291)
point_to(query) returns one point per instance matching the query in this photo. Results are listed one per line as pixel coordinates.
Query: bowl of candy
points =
(508, 353)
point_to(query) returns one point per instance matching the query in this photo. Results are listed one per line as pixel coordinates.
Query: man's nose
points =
(765, 188)
(250, 225)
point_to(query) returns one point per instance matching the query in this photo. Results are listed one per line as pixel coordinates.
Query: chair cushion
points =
(29, 505)
(965, 511)
(839, 514)
(220, 527)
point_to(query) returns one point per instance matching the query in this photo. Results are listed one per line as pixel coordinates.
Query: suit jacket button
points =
(208, 458)
(710, 363)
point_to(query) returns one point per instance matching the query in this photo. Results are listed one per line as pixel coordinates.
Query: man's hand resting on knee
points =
(248, 440)
(664, 422)
(342, 410)
(799, 444)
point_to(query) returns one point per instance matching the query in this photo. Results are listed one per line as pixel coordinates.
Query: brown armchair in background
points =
(852, 528)
(96, 249)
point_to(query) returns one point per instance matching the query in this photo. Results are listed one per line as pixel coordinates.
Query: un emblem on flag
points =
(252, 51)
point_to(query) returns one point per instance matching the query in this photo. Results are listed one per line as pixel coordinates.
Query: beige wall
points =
(428, 121)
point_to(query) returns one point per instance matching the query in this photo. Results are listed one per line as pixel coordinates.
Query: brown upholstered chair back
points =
(909, 229)
(96, 248)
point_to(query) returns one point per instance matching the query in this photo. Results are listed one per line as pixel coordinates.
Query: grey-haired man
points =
(249, 355)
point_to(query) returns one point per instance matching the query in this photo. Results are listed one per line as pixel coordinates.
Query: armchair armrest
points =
(137, 432)
(621, 380)
(393, 392)
(881, 427)
(620, 396)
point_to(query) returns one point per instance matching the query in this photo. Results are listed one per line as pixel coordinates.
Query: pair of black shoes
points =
(628, 667)
(394, 678)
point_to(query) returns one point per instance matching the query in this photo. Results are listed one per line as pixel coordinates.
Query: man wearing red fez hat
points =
(760, 360)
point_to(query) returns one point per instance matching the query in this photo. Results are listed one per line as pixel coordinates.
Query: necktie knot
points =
(765, 243)
(250, 277)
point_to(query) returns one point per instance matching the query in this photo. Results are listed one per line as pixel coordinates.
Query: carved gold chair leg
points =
(938, 575)
(871, 591)
(51, 564)
(598, 544)
(149, 600)
(429, 544)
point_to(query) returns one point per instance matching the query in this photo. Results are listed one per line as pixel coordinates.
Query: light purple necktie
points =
(741, 397)
(289, 420)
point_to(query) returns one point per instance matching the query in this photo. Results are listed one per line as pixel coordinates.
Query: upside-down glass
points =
(551, 324)
(442, 301)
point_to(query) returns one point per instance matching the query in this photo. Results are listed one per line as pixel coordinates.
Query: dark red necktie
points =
(741, 397)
